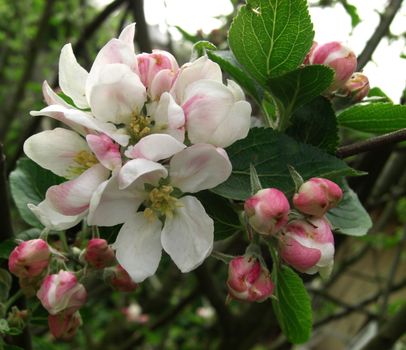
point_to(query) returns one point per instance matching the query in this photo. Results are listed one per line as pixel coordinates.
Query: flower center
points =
(84, 161)
(161, 203)
(140, 126)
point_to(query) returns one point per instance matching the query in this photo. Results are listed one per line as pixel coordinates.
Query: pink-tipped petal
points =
(106, 151)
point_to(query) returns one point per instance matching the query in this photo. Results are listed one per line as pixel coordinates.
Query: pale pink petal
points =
(56, 150)
(161, 83)
(52, 219)
(155, 147)
(106, 151)
(127, 35)
(74, 117)
(199, 167)
(110, 206)
(138, 246)
(51, 98)
(117, 94)
(141, 170)
(188, 236)
(72, 77)
(73, 197)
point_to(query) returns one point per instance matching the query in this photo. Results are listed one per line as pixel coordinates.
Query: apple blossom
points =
(64, 326)
(308, 246)
(170, 220)
(62, 292)
(267, 211)
(356, 88)
(338, 57)
(29, 258)
(119, 279)
(316, 196)
(248, 280)
(98, 253)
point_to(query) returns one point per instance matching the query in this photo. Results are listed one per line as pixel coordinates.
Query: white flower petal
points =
(73, 197)
(53, 220)
(51, 98)
(72, 77)
(117, 94)
(74, 118)
(188, 236)
(143, 170)
(110, 206)
(155, 147)
(199, 167)
(127, 35)
(56, 150)
(138, 247)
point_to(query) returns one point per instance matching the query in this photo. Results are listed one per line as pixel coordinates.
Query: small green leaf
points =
(229, 64)
(187, 36)
(29, 183)
(31, 233)
(271, 152)
(352, 11)
(5, 284)
(254, 180)
(350, 217)
(292, 307)
(271, 37)
(226, 220)
(294, 89)
(378, 118)
(200, 48)
(315, 124)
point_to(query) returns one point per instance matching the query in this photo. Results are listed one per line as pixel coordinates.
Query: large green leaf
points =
(294, 89)
(29, 183)
(350, 217)
(376, 118)
(229, 64)
(315, 124)
(271, 152)
(292, 307)
(271, 37)
(226, 220)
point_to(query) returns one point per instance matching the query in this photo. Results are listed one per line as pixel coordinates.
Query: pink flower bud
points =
(317, 196)
(62, 292)
(63, 326)
(357, 87)
(267, 211)
(150, 64)
(308, 246)
(248, 280)
(98, 253)
(29, 258)
(307, 58)
(338, 57)
(120, 280)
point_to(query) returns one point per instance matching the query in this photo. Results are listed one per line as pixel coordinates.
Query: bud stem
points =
(10, 302)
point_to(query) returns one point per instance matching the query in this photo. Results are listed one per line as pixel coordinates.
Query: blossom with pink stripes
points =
(98, 253)
(248, 280)
(119, 279)
(308, 246)
(64, 326)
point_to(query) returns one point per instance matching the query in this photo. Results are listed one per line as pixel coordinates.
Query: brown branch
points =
(382, 30)
(142, 34)
(371, 144)
(32, 54)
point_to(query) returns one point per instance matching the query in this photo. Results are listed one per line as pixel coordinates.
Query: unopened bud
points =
(306, 61)
(267, 211)
(338, 57)
(248, 280)
(308, 246)
(63, 326)
(356, 88)
(98, 253)
(316, 196)
(119, 279)
(61, 292)
(29, 258)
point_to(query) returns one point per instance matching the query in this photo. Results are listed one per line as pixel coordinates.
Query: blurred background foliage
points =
(367, 287)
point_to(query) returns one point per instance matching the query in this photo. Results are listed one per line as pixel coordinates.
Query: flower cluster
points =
(145, 135)
(347, 83)
(303, 235)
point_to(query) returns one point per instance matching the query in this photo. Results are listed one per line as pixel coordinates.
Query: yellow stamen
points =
(140, 126)
(84, 161)
(161, 203)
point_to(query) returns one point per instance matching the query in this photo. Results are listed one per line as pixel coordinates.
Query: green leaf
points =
(29, 183)
(31, 233)
(352, 11)
(292, 307)
(270, 152)
(379, 118)
(226, 220)
(5, 285)
(296, 88)
(229, 64)
(201, 48)
(271, 37)
(187, 36)
(315, 124)
(350, 217)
